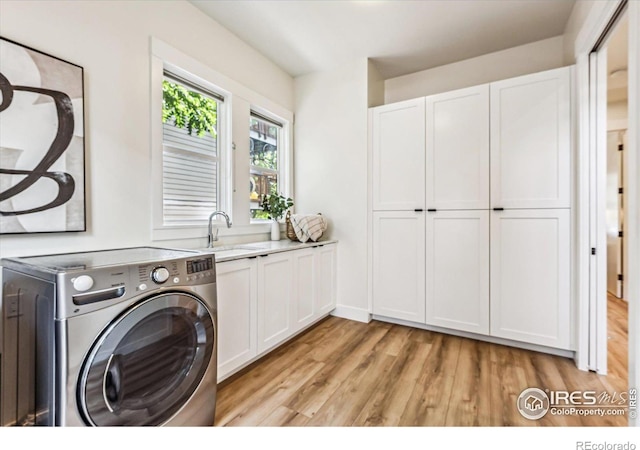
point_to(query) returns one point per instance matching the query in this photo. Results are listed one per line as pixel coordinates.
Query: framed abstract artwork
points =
(42, 173)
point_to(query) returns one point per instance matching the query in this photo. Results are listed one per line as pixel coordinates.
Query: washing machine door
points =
(148, 362)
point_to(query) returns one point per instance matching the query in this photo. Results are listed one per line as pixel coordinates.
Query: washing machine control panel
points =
(93, 289)
(201, 270)
(185, 272)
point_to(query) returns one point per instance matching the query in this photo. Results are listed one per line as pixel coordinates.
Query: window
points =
(265, 145)
(200, 149)
(190, 151)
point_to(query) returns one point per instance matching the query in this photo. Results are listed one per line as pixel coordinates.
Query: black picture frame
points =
(42, 144)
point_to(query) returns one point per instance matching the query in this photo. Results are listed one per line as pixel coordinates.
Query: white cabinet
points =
(275, 299)
(326, 258)
(314, 284)
(305, 287)
(454, 263)
(530, 276)
(457, 270)
(237, 304)
(457, 149)
(531, 141)
(399, 265)
(398, 156)
(264, 300)
(398, 172)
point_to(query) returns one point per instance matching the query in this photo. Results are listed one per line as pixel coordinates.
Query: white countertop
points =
(250, 249)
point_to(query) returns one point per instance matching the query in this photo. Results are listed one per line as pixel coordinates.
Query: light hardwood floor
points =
(345, 373)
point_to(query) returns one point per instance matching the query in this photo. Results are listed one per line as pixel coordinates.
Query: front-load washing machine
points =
(108, 338)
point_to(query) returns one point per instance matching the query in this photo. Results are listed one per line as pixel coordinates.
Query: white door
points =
(458, 149)
(530, 276)
(398, 142)
(275, 297)
(457, 278)
(614, 215)
(305, 288)
(399, 265)
(326, 256)
(237, 303)
(531, 141)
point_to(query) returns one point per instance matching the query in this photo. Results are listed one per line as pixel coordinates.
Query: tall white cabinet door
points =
(399, 265)
(458, 149)
(237, 304)
(398, 156)
(326, 260)
(531, 141)
(304, 289)
(275, 298)
(457, 279)
(530, 276)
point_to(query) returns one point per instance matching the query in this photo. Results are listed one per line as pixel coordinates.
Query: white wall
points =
(331, 170)
(617, 115)
(521, 60)
(111, 41)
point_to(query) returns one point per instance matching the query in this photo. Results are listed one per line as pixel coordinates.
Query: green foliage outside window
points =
(191, 110)
(266, 158)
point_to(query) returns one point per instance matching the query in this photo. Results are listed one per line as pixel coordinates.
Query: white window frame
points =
(220, 140)
(285, 167)
(232, 146)
(180, 66)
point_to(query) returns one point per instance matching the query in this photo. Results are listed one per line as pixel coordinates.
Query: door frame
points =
(596, 25)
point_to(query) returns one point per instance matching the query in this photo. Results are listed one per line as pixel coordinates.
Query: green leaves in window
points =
(191, 110)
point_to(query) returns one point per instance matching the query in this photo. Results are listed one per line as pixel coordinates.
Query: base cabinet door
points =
(457, 282)
(399, 265)
(237, 305)
(530, 276)
(305, 287)
(326, 262)
(275, 299)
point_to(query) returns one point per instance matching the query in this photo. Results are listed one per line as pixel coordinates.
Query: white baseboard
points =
(481, 337)
(351, 313)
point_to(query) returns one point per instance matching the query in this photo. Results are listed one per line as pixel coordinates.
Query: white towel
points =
(308, 227)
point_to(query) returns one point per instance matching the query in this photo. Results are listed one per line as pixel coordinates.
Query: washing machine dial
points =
(82, 283)
(159, 275)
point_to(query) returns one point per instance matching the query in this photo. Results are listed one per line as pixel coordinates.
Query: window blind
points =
(266, 119)
(189, 175)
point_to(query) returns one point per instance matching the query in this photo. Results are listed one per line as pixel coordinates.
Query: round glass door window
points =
(146, 365)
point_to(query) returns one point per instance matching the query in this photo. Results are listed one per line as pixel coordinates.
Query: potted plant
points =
(275, 205)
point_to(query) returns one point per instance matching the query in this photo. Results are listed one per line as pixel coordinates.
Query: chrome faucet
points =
(214, 237)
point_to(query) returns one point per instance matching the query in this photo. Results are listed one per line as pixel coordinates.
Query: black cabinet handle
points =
(498, 209)
(432, 210)
(418, 210)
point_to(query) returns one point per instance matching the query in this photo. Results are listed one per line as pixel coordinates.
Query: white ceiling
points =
(400, 36)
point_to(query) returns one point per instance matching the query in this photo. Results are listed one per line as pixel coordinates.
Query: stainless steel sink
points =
(225, 252)
(230, 251)
(227, 248)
